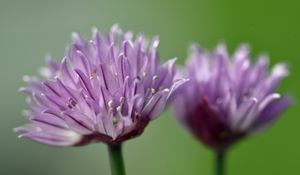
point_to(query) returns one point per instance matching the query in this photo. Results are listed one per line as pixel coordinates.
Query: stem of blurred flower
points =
(116, 159)
(220, 162)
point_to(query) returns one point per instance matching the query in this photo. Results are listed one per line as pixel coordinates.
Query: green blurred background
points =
(30, 29)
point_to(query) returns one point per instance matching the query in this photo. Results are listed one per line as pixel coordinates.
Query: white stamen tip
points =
(122, 99)
(152, 90)
(144, 74)
(58, 74)
(119, 108)
(156, 43)
(114, 120)
(254, 100)
(155, 77)
(110, 102)
(268, 100)
(21, 89)
(166, 90)
(25, 113)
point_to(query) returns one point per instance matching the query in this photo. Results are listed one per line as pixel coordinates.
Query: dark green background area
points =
(30, 29)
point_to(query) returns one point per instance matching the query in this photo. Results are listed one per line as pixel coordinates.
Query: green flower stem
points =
(220, 163)
(116, 160)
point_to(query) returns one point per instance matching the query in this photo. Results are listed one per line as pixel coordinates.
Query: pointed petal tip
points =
(128, 43)
(280, 70)
(15, 130)
(95, 30)
(45, 72)
(26, 78)
(263, 59)
(22, 89)
(174, 59)
(276, 95)
(121, 55)
(244, 46)
(267, 100)
(74, 35)
(195, 47)
(77, 39)
(155, 41)
(48, 57)
(221, 44)
(25, 112)
(64, 62)
(115, 27)
(170, 63)
(19, 129)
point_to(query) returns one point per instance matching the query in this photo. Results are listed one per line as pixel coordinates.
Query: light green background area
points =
(30, 29)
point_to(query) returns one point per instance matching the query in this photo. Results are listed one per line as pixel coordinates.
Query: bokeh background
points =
(30, 29)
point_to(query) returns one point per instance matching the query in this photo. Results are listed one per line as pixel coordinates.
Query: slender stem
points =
(220, 163)
(116, 160)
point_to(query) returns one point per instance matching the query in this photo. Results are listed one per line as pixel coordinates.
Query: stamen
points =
(114, 120)
(155, 77)
(153, 90)
(136, 113)
(267, 100)
(110, 103)
(72, 102)
(119, 108)
(58, 74)
(122, 99)
(93, 73)
(144, 74)
(110, 110)
(112, 70)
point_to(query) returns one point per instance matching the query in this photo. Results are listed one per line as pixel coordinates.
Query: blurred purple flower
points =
(228, 98)
(107, 90)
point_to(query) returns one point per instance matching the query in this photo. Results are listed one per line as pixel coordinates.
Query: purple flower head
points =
(228, 98)
(107, 90)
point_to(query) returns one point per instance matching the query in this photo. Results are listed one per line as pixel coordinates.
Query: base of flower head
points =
(214, 133)
(98, 137)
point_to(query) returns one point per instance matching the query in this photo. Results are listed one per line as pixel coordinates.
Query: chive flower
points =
(227, 98)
